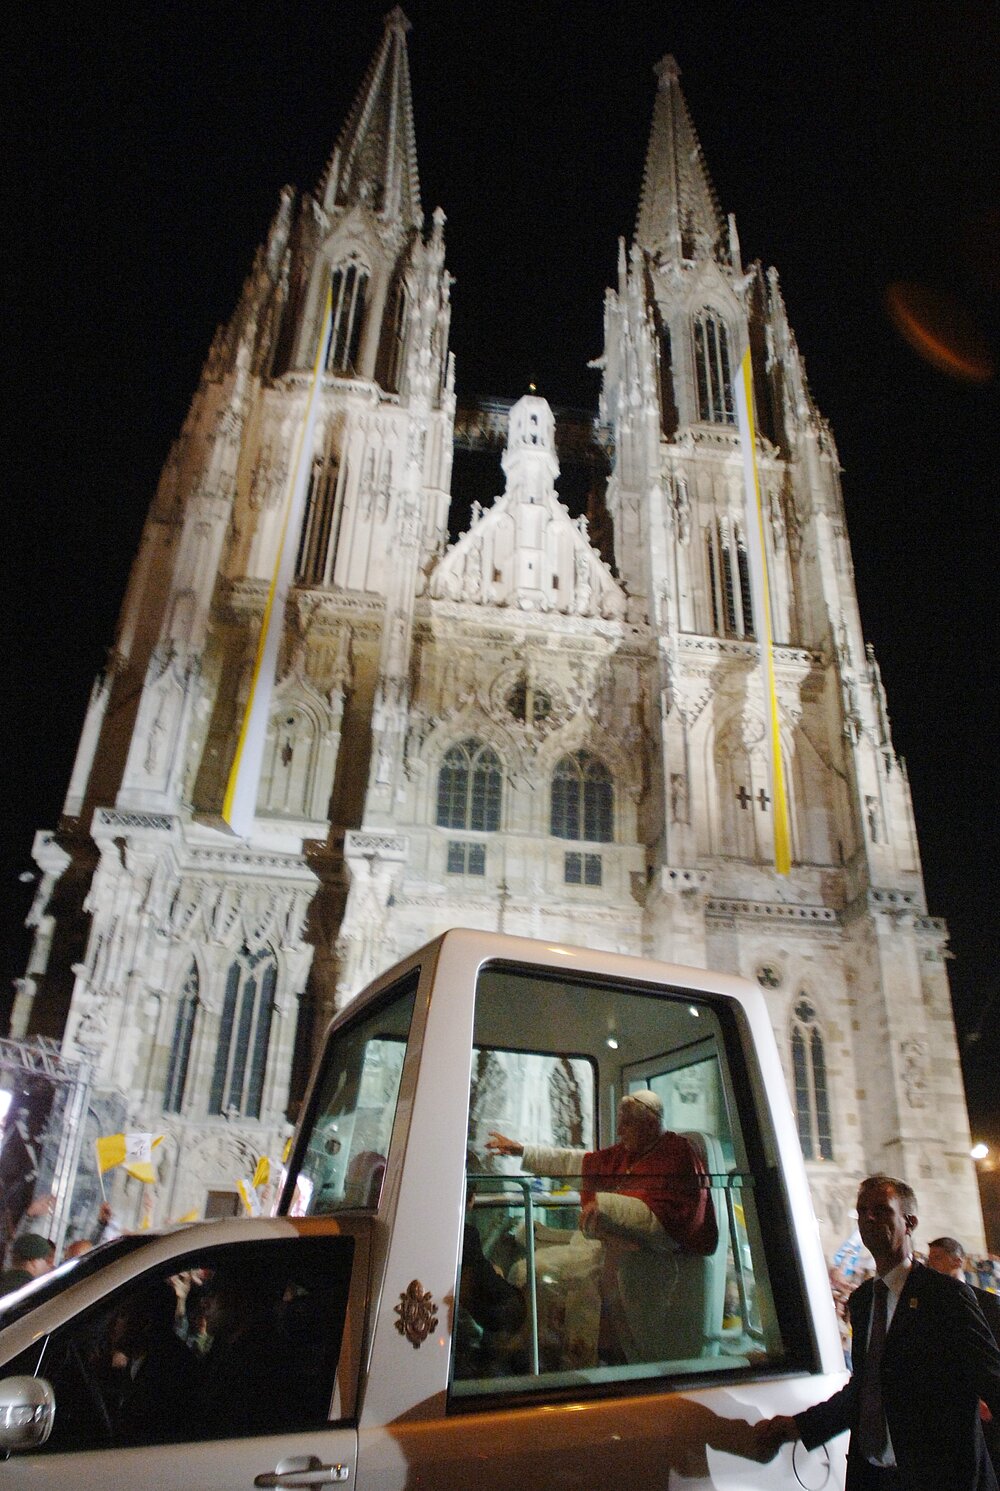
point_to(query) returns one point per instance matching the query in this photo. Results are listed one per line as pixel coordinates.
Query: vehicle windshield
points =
(22, 1301)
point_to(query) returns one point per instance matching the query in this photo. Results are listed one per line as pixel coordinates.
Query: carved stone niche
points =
(916, 1076)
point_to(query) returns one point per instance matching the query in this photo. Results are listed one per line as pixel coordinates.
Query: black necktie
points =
(872, 1431)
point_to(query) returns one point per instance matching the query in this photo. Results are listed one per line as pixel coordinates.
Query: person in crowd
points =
(31, 1256)
(103, 1230)
(923, 1357)
(21, 1157)
(155, 1377)
(490, 1309)
(947, 1256)
(247, 1382)
(841, 1291)
(987, 1272)
(649, 1185)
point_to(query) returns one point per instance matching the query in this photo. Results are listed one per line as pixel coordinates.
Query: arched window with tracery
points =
(470, 788)
(812, 1103)
(244, 1034)
(582, 800)
(713, 371)
(349, 287)
(180, 1046)
(729, 581)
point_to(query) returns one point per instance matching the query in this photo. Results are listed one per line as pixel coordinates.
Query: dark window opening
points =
(582, 800)
(470, 787)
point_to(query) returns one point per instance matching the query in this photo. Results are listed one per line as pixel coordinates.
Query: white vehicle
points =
(349, 1344)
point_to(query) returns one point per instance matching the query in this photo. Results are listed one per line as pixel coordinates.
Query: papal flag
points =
(134, 1151)
(240, 801)
(761, 599)
(249, 1197)
(249, 1190)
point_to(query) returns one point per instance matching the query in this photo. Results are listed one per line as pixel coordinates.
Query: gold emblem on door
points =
(417, 1313)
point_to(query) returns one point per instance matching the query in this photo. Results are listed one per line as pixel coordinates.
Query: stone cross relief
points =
(744, 798)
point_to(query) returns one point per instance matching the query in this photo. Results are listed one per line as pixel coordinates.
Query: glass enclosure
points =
(352, 1110)
(604, 1242)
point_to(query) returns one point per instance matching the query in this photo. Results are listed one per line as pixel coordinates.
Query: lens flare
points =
(940, 330)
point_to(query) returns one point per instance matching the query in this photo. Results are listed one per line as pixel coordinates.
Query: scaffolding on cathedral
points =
(48, 1110)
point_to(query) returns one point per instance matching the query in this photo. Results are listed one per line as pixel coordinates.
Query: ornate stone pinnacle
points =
(667, 71)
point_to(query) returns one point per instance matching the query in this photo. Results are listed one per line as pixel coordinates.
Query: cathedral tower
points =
(507, 731)
(852, 964)
(172, 955)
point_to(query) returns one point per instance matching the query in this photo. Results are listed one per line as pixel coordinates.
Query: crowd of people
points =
(31, 1254)
(848, 1271)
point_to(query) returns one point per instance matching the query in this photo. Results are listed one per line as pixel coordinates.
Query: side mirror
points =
(27, 1413)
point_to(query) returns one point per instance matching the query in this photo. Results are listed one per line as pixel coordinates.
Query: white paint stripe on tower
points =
(240, 801)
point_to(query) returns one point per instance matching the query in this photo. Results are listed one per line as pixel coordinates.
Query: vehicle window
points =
(617, 1197)
(225, 1342)
(339, 1161)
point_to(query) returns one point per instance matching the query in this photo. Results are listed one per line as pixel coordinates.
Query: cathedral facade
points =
(550, 726)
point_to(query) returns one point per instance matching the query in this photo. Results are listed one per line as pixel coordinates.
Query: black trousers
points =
(866, 1477)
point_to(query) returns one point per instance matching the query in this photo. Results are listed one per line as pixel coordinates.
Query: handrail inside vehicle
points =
(727, 1182)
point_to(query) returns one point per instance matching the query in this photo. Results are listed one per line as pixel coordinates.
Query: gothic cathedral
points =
(517, 730)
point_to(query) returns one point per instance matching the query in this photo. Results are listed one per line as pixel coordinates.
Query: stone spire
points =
(526, 552)
(375, 158)
(679, 216)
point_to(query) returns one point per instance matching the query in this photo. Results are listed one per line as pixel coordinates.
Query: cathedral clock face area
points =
(529, 706)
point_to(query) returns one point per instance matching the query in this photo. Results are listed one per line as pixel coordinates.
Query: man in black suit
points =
(945, 1255)
(923, 1358)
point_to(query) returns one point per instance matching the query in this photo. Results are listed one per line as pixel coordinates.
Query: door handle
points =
(304, 1471)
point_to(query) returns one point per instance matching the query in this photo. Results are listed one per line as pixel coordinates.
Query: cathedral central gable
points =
(526, 552)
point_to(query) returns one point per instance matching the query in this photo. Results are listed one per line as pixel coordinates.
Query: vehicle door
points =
(546, 1356)
(220, 1369)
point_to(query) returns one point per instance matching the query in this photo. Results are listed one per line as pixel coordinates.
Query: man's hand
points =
(42, 1206)
(590, 1219)
(500, 1144)
(770, 1434)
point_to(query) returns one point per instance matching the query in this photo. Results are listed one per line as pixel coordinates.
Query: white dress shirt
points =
(895, 1283)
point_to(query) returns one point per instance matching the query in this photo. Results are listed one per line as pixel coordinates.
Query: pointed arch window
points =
(314, 543)
(180, 1046)
(470, 787)
(398, 347)
(729, 581)
(244, 1034)
(713, 370)
(350, 287)
(812, 1103)
(582, 800)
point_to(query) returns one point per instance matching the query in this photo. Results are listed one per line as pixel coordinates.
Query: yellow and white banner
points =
(761, 598)
(249, 1190)
(134, 1151)
(240, 800)
(249, 1197)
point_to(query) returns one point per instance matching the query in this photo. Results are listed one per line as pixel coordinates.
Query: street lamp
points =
(979, 1151)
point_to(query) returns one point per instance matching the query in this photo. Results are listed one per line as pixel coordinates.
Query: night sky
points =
(856, 145)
